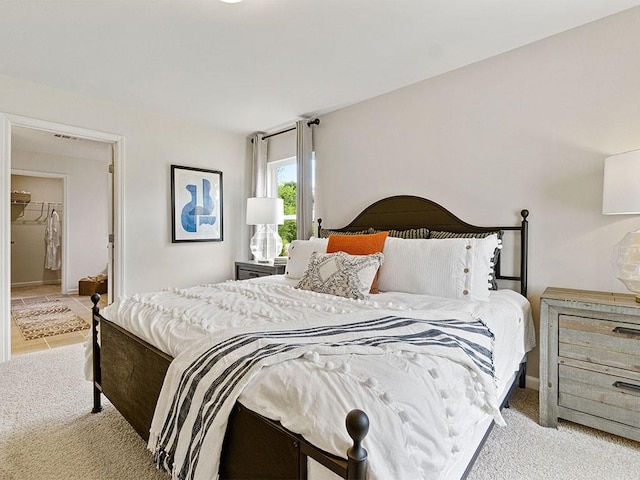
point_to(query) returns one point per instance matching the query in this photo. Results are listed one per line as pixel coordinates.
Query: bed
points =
(130, 363)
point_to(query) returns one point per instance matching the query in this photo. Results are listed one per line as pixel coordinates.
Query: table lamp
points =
(621, 195)
(266, 213)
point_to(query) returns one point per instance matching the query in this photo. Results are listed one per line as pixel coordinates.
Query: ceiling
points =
(260, 64)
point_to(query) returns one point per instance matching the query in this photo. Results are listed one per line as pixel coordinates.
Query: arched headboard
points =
(402, 212)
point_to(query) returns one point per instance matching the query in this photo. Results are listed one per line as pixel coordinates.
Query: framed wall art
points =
(196, 205)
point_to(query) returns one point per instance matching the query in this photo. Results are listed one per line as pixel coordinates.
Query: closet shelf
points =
(20, 198)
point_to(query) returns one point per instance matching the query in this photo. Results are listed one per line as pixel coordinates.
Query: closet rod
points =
(53, 204)
(315, 121)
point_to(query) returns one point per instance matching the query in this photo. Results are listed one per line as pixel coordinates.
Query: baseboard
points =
(36, 283)
(533, 383)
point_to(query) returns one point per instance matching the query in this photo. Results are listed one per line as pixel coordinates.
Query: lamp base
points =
(626, 262)
(266, 244)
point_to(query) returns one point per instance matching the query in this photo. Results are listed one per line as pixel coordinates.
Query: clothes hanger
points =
(41, 213)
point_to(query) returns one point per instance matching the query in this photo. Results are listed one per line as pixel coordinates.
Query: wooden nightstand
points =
(253, 269)
(590, 360)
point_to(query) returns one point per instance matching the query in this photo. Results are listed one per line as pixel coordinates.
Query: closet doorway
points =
(34, 154)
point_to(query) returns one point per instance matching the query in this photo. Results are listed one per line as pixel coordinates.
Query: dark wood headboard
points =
(402, 212)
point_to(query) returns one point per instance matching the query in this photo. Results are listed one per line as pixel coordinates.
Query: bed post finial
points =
(357, 426)
(95, 298)
(95, 320)
(319, 227)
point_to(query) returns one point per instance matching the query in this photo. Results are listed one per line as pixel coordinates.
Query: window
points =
(282, 178)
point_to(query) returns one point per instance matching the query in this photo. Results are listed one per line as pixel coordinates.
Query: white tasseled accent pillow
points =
(300, 254)
(452, 268)
(341, 274)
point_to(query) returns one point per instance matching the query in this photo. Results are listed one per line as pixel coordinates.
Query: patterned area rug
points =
(46, 319)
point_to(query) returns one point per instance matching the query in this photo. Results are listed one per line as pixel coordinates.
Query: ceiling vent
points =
(65, 137)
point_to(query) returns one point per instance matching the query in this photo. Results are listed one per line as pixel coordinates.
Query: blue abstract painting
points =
(197, 204)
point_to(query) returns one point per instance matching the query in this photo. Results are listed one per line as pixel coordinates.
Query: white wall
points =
(86, 208)
(152, 143)
(527, 129)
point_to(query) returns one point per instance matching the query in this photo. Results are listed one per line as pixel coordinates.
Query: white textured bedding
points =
(313, 397)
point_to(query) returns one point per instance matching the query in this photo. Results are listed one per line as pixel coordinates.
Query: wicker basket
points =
(89, 286)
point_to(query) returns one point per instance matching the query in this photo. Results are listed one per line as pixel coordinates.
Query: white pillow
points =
(452, 267)
(300, 254)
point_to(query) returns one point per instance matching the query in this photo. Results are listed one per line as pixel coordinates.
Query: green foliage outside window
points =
(288, 231)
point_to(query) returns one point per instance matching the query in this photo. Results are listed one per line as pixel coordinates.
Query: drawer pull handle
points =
(628, 331)
(627, 386)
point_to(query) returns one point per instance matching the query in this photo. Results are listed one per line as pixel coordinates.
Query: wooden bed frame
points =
(130, 371)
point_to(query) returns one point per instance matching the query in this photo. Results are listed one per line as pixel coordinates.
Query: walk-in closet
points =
(37, 213)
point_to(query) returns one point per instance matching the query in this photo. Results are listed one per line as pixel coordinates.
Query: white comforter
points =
(421, 408)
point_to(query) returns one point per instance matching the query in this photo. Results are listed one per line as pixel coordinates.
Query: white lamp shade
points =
(621, 190)
(265, 211)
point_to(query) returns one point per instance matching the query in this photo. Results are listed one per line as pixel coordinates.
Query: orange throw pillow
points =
(358, 245)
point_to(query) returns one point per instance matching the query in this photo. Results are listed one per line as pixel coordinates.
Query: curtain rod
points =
(315, 121)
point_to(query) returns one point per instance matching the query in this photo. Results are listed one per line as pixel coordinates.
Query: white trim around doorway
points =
(7, 122)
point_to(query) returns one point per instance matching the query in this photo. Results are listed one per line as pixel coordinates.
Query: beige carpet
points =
(525, 450)
(47, 432)
(46, 318)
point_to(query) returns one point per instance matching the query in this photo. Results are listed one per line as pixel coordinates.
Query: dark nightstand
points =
(253, 269)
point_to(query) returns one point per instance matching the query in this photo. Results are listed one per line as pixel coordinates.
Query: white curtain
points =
(304, 152)
(304, 167)
(259, 170)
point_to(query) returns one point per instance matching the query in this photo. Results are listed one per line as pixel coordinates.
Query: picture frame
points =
(196, 205)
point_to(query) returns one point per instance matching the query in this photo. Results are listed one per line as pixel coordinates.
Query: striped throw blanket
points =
(200, 390)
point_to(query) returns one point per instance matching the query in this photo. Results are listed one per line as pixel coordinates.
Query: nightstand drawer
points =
(244, 274)
(606, 396)
(247, 270)
(595, 340)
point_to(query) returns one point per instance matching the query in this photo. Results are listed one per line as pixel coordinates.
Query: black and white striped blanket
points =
(201, 388)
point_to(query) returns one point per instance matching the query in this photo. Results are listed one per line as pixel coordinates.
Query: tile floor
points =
(81, 305)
